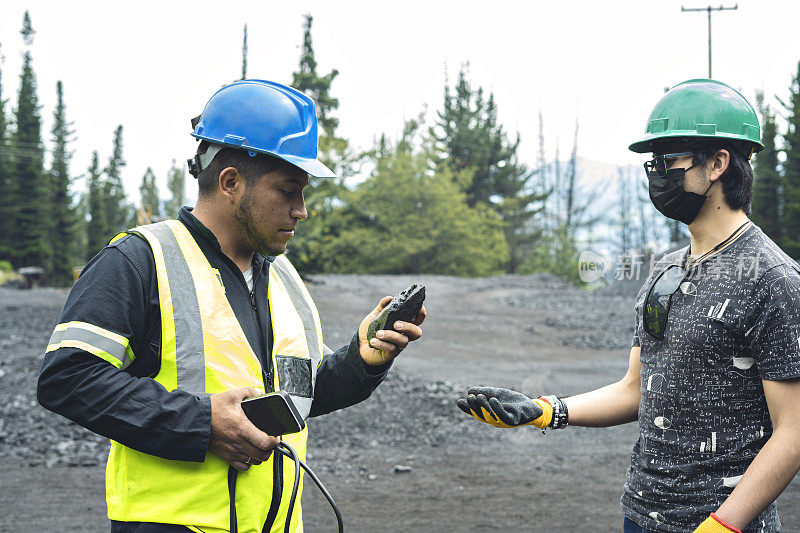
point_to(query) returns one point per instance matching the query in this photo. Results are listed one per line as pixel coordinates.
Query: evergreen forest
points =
(447, 196)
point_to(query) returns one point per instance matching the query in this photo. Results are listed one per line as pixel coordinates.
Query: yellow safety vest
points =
(204, 351)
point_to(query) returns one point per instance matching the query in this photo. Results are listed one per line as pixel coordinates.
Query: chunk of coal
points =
(404, 306)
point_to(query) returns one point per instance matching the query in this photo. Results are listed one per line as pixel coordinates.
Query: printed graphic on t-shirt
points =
(733, 322)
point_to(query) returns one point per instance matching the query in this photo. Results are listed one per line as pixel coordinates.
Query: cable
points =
(293, 455)
(325, 493)
(284, 449)
(289, 452)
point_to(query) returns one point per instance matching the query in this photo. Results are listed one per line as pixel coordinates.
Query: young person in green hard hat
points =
(715, 359)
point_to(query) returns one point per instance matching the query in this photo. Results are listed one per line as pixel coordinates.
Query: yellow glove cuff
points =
(547, 414)
(713, 524)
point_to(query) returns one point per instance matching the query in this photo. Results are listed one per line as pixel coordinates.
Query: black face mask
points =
(671, 199)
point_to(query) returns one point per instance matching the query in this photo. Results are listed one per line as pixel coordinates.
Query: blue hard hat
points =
(264, 117)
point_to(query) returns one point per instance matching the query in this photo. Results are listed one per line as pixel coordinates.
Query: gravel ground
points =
(29, 434)
(406, 458)
(600, 319)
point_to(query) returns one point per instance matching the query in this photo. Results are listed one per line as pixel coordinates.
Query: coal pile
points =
(32, 436)
(28, 433)
(403, 414)
(401, 411)
(596, 320)
(402, 417)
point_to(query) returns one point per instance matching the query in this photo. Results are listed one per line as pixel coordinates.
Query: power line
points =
(708, 10)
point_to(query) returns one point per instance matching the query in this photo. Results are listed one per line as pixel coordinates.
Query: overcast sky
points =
(151, 66)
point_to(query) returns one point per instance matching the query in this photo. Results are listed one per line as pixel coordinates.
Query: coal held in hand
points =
(404, 306)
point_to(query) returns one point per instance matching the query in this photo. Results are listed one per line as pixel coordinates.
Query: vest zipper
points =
(266, 373)
(277, 459)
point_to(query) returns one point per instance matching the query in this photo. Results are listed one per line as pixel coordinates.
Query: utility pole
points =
(244, 53)
(709, 9)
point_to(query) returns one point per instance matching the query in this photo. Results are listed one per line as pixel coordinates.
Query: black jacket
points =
(118, 291)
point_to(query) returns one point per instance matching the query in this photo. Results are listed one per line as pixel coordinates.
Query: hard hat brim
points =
(646, 145)
(313, 167)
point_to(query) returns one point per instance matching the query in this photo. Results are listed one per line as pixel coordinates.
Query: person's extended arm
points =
(344, 380)
(614, 404)
(351, 373)
(777, 462)
(617, 403)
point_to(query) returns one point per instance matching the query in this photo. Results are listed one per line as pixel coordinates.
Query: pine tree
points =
(316, 86)
(572, 211)
(63, 235)
(81, 207)
(98, 231)
(27, 29)
(475, 145)
(176, 184)
(767, 184)
(321, 194)
(117, 211)
(464, 137)
(2, 105)
(471, 138)
(625, 214)
(542, 185)
(30, 215)
(149, 192)
(6, 191)
(333, 151)
(641, 217)
(406, 219)
(791, 176)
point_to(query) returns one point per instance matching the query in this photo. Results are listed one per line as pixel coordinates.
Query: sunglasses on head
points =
(661, 163)
(655, 312)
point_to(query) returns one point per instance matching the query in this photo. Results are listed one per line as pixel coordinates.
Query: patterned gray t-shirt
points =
(734, 321)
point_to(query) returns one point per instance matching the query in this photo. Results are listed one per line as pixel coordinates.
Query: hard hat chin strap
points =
(200, 162)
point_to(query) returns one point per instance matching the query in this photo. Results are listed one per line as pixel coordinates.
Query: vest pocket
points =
(294, 375)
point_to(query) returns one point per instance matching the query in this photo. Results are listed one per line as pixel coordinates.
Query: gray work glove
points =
(504, 408)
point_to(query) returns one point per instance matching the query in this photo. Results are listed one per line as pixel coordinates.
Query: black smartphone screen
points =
(273, 413)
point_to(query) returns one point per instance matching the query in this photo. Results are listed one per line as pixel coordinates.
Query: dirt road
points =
(527, 333)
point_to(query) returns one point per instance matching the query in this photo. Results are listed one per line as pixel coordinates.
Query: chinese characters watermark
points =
(592, 266)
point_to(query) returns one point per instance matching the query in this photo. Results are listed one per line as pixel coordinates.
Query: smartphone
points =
(273, 413)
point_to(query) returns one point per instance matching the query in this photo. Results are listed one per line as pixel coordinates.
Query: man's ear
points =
(718, 164)
(231, 184)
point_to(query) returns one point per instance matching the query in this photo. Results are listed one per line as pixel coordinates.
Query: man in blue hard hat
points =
(173, 324)
(714, 368)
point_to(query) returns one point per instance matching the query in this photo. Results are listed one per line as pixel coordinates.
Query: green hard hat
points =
(703, 109)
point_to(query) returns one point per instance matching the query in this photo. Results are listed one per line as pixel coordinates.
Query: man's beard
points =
(244, 218)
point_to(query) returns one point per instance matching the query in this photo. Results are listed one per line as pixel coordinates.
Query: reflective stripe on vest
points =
(205, 351)
(289, 368)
